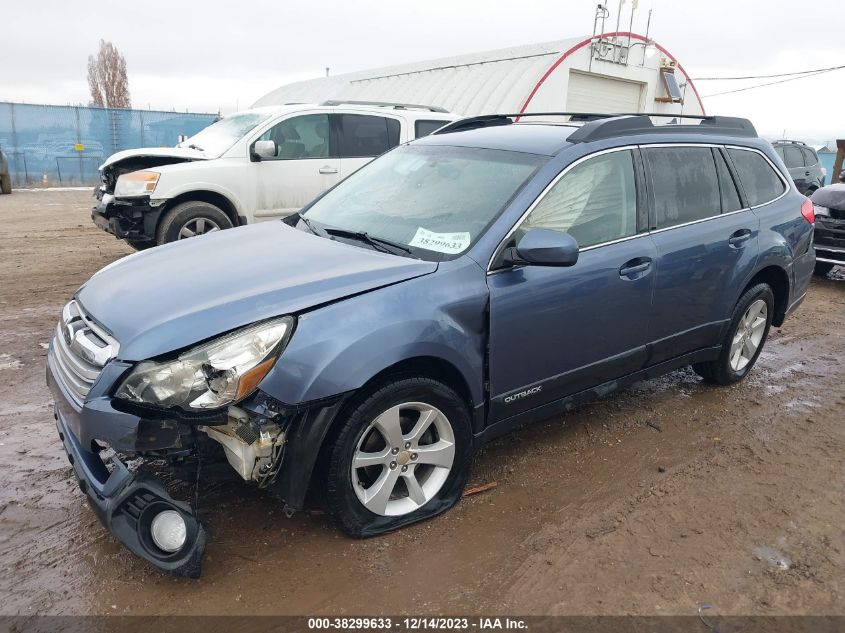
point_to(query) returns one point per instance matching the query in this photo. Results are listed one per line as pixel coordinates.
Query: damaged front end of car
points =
(182, 411)
(135, 217)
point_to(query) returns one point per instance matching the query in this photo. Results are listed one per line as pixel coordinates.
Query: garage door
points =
(595, 93)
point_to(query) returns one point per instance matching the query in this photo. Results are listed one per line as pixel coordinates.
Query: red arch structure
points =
(579, 45)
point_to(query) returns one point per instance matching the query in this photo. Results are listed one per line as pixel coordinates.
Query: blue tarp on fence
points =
(68, 143)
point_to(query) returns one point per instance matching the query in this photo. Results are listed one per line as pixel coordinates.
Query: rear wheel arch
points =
(778, 280)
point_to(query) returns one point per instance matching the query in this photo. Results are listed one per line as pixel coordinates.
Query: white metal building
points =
(612, 72)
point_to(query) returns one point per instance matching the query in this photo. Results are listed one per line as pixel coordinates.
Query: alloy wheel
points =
(403, 458)
(197, 226)
(749, 335)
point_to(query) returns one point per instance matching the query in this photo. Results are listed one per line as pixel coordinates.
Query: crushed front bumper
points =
(126, 505)
(130, 220)
(126, 502)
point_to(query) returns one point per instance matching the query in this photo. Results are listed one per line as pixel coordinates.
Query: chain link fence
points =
(64, 145)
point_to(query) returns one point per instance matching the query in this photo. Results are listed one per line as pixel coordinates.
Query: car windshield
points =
(220, 136)
(434, 200)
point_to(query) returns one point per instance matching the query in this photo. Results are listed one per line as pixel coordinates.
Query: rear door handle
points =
(738, 238)
(328, 170)
(635, 268)
(806, 173)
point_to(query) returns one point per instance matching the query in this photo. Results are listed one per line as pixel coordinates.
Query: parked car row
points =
(462, 284)
(255, 165)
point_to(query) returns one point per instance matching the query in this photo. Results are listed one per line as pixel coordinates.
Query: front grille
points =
(80, 351)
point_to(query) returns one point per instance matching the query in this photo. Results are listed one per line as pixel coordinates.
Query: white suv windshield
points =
(435, 200)
(220, 136)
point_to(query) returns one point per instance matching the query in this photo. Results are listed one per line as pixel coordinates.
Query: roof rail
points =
(641, 124)
(601, 125)
(386, 104)
(791, 142)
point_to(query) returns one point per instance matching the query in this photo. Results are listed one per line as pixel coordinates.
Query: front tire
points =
(401, 455)
(5, 184)
(744, 339)
(190, 219)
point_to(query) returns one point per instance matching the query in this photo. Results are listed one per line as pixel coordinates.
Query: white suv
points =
(254, 165)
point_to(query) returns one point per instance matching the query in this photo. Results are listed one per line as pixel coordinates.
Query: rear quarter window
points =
(425, 127)
(758, 178)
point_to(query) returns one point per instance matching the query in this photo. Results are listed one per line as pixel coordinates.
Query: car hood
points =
(180, 153)
(176, 295)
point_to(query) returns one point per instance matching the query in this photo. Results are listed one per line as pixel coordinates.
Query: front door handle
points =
(635, 268)
(806, 173)
(326, 169)
(738, 238)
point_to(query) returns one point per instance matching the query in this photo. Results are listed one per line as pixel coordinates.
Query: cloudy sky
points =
(211, 55)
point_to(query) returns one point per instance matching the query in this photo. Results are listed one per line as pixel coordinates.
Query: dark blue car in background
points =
(493, 273)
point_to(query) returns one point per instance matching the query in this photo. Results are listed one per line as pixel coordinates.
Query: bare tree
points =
(107, 78)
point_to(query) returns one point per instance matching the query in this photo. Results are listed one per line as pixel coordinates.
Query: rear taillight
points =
(808, 211)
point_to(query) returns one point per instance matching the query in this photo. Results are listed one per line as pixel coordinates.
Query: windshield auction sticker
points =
(441, 242)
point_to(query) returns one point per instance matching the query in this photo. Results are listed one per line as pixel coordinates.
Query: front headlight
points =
(136, 183)
(212, 375)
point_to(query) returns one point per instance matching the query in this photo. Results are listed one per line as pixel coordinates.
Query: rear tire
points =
(744, 338)
(822, 269)
(404, 428)
(5, 184)
(190, 219)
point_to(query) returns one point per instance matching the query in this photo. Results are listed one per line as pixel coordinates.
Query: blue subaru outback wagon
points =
(496, 272)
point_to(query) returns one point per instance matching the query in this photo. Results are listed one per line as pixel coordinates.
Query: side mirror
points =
(264, 149)
(544, 247)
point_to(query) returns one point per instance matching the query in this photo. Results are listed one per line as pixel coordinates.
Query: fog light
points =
(169, 531)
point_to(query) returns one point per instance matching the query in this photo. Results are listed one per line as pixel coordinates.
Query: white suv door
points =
(304, 166)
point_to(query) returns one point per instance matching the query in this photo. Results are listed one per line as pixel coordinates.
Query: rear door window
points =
(424, 127)
(792, 157)
(364, 136)
(758, 178)
(684, 184)
(727, 186)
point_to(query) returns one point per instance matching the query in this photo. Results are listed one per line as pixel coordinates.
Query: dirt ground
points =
(650, 501)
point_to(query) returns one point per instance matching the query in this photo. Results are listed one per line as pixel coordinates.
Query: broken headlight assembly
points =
(136, 183)
(212, 375)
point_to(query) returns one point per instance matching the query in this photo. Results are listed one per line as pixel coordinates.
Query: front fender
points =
(218, 176)
(339, 347)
